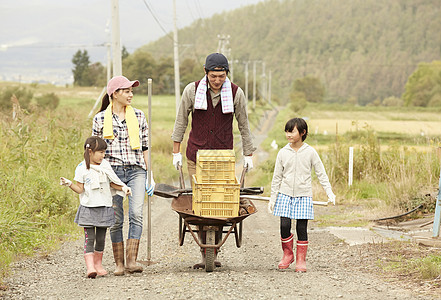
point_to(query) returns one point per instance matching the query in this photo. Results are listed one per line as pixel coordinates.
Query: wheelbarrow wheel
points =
(210, 253)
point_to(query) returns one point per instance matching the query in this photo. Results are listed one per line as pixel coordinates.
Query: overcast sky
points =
(39, 37)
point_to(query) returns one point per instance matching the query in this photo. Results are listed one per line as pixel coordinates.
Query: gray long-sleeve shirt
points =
(240, 112)
(292, 172)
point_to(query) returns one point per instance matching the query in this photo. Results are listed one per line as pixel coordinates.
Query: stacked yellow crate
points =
(216, 191)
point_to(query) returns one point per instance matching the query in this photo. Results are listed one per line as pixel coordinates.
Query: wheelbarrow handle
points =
(181, 177)
(242, 176)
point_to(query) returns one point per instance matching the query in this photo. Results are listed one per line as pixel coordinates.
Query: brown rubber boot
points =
(91, 272)
(131, 255)
(98, 261)
(201, 265)
(203, 238)
(302, 248)
(118, 256)
(288, 254)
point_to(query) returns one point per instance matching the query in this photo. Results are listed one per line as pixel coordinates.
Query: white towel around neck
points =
(200, 101)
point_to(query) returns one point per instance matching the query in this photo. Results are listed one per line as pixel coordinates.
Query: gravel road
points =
(335, 270)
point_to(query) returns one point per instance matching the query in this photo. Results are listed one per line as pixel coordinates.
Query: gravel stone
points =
(335, 269)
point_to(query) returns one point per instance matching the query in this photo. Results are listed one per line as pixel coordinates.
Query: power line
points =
(191, 13)
(157, 21)
(54, 46)
(199, 9)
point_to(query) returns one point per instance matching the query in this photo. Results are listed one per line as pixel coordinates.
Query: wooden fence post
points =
(437, 218)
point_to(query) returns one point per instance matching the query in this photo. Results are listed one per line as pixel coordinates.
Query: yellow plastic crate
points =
(220, 200)
(216, 166)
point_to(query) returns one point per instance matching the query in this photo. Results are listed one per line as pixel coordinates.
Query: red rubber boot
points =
(302, 248)
(91, 272)
(98, 260)
(288, 255)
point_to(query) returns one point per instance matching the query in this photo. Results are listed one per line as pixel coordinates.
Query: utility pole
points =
(176, 59)
(224, 42)
(231, 63)
(231, 69)
(109, 51)
(109, 62)
(269, 87)
(246, 80)
(254, 84)
(264, 91)
(116, 40)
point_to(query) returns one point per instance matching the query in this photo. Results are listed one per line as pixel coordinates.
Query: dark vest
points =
(210, 129)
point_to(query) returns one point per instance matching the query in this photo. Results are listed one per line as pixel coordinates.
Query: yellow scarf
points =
(132, 125)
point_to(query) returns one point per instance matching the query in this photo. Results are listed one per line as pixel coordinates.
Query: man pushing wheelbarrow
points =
(212, 102)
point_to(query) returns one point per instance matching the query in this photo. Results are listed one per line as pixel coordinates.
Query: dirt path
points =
(335, 270)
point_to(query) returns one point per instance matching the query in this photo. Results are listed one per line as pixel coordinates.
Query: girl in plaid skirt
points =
(291, 191)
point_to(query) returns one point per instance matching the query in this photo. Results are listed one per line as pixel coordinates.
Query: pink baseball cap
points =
(120, 82)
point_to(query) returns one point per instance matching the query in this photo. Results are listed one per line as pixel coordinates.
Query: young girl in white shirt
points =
(94, 178)
(291, 191)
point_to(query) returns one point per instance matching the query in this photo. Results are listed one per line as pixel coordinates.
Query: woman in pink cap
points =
(125, 131)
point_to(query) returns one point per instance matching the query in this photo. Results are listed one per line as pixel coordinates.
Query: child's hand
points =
(331, 198)
(65, 181)
(271, 204)
(270, 207)
(127, 190)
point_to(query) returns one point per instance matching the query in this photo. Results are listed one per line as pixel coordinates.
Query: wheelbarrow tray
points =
(183, 206)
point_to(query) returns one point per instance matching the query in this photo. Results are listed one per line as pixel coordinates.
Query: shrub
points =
(48, 101)
(392, 101)
(23, 95)
(298, 102)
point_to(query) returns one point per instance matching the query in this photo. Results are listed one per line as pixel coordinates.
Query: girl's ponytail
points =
(86, 155)
(104, 102)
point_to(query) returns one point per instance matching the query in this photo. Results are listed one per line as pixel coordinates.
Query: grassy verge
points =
(35, 213)
(407, 262)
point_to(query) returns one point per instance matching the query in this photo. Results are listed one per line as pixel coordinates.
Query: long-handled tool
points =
(267, 199)
(149, 177)
(170, 191)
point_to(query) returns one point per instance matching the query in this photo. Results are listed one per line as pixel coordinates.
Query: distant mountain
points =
(358, 48)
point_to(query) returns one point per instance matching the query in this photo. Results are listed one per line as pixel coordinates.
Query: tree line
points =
(362, 51)
(423, 87)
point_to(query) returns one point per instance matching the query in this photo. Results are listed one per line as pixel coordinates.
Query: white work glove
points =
(271, 204)
(127, 190)
(150, 189)
(65, 181)
(248, 162)
(177, 160)
(331, 197)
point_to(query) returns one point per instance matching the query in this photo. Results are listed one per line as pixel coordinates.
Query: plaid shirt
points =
(119, 152)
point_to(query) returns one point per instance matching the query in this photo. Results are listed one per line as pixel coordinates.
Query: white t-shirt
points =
(96, 184)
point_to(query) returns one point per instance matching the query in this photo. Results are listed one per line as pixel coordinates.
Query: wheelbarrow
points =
(208, 226)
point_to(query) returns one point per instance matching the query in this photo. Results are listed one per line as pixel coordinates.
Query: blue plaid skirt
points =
(294, 207)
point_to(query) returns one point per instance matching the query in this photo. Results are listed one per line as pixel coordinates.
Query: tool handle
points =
(181, 177)
(242, 177)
